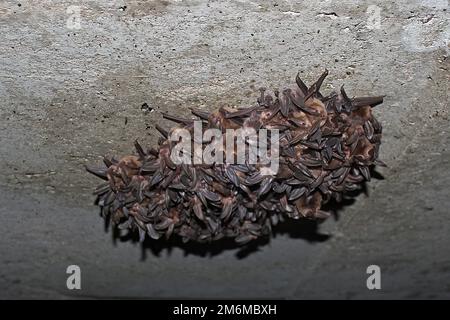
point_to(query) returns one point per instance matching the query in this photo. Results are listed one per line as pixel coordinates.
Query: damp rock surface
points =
(72, 93)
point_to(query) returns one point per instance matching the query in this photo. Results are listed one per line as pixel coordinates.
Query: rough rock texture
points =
(69, 95)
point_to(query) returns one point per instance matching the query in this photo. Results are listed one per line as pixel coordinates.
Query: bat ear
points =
(201, 114)
(163, 131)
(367, 101)
(301, 84)
(139, 149)
(97, 171)
(319, 82)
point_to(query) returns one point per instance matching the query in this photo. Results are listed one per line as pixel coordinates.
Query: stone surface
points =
(71, 95)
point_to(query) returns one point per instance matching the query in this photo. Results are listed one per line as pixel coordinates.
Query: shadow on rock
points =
(296, 229)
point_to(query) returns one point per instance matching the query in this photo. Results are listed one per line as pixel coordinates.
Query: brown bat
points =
(326, 147)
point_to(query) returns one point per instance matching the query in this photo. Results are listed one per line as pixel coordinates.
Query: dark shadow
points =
(375, 174)
(297, 229)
